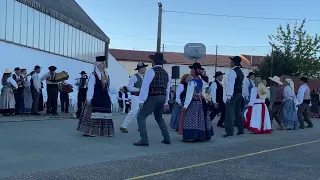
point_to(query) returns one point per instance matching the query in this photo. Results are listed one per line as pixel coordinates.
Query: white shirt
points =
(133, 79)
(288, 93)
(301, 91)
(36, 81)
(179, 90)
(213, 91)
(12, 82)
(144, 92)
(246, 87)
(190, 93)
(91, 83)
(231, 80)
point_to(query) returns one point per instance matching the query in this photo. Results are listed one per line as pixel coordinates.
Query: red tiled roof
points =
(175, 58)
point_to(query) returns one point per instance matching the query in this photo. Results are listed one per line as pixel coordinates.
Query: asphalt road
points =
(51, 149)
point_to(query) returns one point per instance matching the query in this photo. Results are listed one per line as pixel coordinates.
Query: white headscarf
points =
(291, 84)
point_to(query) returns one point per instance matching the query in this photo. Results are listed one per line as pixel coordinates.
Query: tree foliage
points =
(295, 53)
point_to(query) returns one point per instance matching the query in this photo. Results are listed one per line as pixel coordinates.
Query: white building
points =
(40, 32)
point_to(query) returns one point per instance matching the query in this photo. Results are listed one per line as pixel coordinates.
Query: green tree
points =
(295, 53)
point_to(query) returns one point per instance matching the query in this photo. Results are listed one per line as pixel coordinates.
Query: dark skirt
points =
(196, 122)
(95, 123)
(175, 116)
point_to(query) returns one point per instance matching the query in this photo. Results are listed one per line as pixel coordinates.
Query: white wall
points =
(12, 56)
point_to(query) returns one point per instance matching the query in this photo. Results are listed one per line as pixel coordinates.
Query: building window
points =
(61, 34)
(47, 29)
(65, 40)
(36, 29)
(17, 22)
(52, 34)
(30, 31)
(9, 21)
(42, 32)
(3, 12)
(24, 25)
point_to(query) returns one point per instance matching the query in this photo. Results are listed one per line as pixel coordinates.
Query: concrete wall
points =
(12, 56)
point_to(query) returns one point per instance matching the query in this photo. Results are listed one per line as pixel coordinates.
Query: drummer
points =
(52, 90)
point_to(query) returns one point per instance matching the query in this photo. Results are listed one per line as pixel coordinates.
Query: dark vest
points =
(250, 86)
(83, 83)
(184, 92)
(101, 100)
(138, 84)
(238, 82)
(219, 92)
(159, 84)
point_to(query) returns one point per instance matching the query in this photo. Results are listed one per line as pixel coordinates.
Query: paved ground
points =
(42, 148)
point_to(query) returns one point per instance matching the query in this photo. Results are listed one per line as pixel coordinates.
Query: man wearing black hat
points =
(303, 102)
(154, 96)
(217, 96)
(82, 84)
(234, 97)
(18, 96)
(134, 86)
(35, 90)
(52, 90)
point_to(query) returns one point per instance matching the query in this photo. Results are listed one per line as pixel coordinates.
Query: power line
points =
(210, 45)
(237, 16)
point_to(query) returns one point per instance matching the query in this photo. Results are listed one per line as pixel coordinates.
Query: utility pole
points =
(272, 62)
(215, 69)
(159, 28)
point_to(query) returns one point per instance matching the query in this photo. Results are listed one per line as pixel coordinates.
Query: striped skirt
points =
(7, 101)
(289, 115)
(95, 123)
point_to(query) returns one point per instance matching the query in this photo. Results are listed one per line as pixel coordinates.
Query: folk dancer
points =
(134, 86)
(234, 98)
(257, 118)
(153, 98)
(126, 99)
(82, 84)
(7, 100)
(65, 88)
(196, 120)
(289, 112)
(52, 90)
(96, 118)
(276, 99)
(268, 92)
(27, 94)
(218, 99)
(35, 87)
(18, 95)
(120, 101)
(303, 102)
(181, 92)
(248, 85)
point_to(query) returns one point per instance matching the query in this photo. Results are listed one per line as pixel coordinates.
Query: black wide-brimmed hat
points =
(140, 65)
(196, 66)
(17, 69)
(36, 67)
(157, 58)
(251, 74)
(83, 72)
(218, 73)
(101, 58)
(304, 79)
(236, 60)
(52, 68)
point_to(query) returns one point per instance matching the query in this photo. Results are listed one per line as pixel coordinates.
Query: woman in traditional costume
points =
(180, 97)
(257, 118)
(289, 113)
(196, 122)
(27, 95)
(96, 117)
(7, 101)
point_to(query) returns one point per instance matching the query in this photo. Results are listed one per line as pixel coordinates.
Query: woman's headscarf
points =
(291, 84)
(97, 70)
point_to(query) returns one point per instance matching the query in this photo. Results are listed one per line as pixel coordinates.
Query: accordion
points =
(61, 76)
(67, 88)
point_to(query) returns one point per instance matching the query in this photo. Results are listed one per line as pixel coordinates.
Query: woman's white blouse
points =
(190, 92)
(288, 93)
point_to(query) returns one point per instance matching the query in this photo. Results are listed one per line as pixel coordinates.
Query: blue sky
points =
(138, 18)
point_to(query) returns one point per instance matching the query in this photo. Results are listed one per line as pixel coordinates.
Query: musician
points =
(65, 88)
(52, 90)
(35, 90)
(18, 95)
(82, 84)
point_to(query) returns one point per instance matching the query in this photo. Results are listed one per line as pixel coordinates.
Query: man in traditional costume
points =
(52, 90)
(303, 102)
(217, 95)
(154, 96)
(82, 84)
(18, 95)
(248, 85)
(35, 90)
(234, 98)
(96, 118)
(65, 88)
(276, 99)
(134, 86)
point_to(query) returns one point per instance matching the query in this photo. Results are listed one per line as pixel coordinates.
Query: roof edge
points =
(56, 15)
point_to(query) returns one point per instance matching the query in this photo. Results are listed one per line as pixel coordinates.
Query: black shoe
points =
(227, 135)
(166, 142)
(35, 114)
(140, 144)
(124, 130)
(221, 125)
(301, 127)
(239, 133)
(310, 126)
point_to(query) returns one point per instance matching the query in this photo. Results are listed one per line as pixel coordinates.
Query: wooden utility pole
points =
(215, 69)
(272, 62)
(159, 28)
